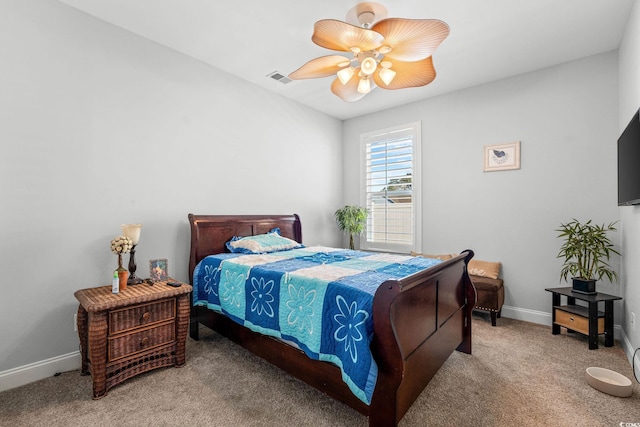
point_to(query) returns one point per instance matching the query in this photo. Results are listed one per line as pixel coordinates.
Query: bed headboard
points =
(209, 233)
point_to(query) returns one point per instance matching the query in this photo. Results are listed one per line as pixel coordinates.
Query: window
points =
(391, 188)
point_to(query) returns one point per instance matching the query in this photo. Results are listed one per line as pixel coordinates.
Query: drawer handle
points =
(144, 341)
(145, 316)
(571, 318)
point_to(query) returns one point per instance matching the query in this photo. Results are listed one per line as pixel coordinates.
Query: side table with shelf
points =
(587, 320)
(139, 329)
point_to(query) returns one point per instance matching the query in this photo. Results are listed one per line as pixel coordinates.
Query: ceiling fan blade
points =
(338, 35)
(409, 74)
(411, 39)
(349, 92)
(323, 66)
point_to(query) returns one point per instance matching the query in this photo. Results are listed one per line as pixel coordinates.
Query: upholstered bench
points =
(489, 287)
(489, 295)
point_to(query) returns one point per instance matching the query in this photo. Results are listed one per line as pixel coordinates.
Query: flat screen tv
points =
(629, 164)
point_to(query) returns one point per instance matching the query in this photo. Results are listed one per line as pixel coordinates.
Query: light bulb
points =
(364, 86)
(368, 66)
(386, 75)
(345, 75)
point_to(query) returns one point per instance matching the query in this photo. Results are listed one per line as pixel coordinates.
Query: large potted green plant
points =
(586, 250)
(351, 220)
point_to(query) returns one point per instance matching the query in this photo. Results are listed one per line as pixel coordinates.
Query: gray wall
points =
(566, 119)
(99, 127)
(630, 215)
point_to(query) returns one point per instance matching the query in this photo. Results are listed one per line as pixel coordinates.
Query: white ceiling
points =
(489, 39)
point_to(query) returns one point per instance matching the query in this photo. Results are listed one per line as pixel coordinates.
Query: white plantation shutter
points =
(390, 188)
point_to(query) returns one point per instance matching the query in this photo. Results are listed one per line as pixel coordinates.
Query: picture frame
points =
(158, 270)
(501, 157)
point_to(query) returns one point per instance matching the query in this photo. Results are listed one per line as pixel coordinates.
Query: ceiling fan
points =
(392, 53)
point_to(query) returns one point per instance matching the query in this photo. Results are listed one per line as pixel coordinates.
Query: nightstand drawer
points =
(577, 322)
(127, 344)
(140, 315)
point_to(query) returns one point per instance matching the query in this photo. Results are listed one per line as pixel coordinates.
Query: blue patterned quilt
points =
(317, 297)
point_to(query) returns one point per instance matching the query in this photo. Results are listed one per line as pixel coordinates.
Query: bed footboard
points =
(418, 322)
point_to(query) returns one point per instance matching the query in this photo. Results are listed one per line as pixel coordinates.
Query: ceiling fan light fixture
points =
(368, 66)
(364, 86)
(376, 44)
(345, 74)
(386, 75)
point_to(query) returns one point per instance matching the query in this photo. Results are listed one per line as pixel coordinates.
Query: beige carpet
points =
(519, 375)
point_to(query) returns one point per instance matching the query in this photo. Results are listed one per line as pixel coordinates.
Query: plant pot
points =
(584, 286)
(123, 275)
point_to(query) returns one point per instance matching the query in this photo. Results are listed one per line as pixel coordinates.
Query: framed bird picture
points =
(502, 157)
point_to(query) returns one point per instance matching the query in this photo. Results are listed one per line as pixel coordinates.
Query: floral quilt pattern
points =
(316, 297)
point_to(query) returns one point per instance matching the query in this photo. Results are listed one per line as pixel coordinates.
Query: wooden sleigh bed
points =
(418, 321)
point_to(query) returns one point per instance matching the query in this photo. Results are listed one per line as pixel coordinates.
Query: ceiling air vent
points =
(279, 77)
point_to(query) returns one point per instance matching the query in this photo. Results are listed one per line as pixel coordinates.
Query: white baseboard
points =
(629, 350)
(533, 316)
(544, 318)
(39, 370)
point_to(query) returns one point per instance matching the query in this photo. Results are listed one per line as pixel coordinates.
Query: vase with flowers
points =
(121, 245)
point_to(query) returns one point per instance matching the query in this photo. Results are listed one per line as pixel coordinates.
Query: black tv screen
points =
(629, 164)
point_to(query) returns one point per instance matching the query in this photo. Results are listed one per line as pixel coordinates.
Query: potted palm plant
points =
(351, 220)
(586, 251)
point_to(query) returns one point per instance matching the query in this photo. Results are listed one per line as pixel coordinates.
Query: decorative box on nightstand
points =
(139, 329)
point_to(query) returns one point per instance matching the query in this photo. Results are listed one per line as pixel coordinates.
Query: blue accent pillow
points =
(262, 243)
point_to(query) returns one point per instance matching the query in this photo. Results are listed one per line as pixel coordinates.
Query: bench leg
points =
(493, 318)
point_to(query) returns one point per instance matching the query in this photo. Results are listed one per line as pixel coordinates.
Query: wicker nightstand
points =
(126, 334)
